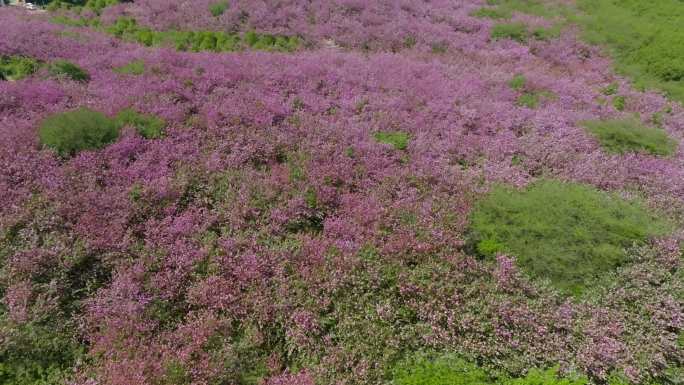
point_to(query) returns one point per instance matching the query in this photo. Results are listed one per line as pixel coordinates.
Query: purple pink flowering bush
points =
(304, 218)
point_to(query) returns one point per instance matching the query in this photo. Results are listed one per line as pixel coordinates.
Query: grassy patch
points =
(644, 36)
(136, 67)
(452, 370)
(217, 9)
(147, 125)
(70, 132)
(69, 70)
(531, 7)
(17, 67)
(398, 140)
(630, 135)
(567, 233)
(422, 370)
(512, 31)
(491, 13)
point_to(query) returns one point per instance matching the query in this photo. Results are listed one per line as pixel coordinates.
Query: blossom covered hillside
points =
(332, 192)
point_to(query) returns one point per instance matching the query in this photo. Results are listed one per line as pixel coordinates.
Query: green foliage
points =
(518, 82)
(644, 36)
(67, 69)
(17, 67)
(176, 374)
(528, 99)
(545, 377)
(630, 135)
(217, 9)
(547, 33)
(69, 132)
(513, 31)
(541, 8)
(491, 13)
(451, 370)
(99, 5)
(136, 67)
(619, 103)
(610, 89)
(398, 140)
(567, 233)
(128, 29)
(36, 354)
(147, 125)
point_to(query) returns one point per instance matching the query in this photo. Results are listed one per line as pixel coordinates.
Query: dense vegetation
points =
(337, 192)
(622, 136)
(644, 36)
(69, 132)
(569, 234)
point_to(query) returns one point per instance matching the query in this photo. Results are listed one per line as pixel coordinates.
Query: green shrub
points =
(533, 7)
(528, 99)
(69, 132)
(423, 370)
(99, 5)
(513, 31)
(518, 82)
(398, 140)
(619, 103)
(63, 68)
(217, 9)
(36, 354)
(567, 233)
(136, 67)
(630, 135)
(17, 67)
(491, 13)
(610, 89)
(547, 33)
(545, 377)
(148, 126)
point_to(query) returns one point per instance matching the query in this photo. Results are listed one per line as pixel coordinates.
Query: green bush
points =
(69, 132)
(630, 135)
(619, 103)
(491, 13)
(513, 31)
(528, 99)
(148, 126)
(37, 354)
(17, 67)
(99, 5)
(610, 89)
(398, 140)
(423, 370)
(518, 82)
(63, 68)
(136, 67)
(217, 9)
(547, 33)
(533, 7)
(567, 233)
